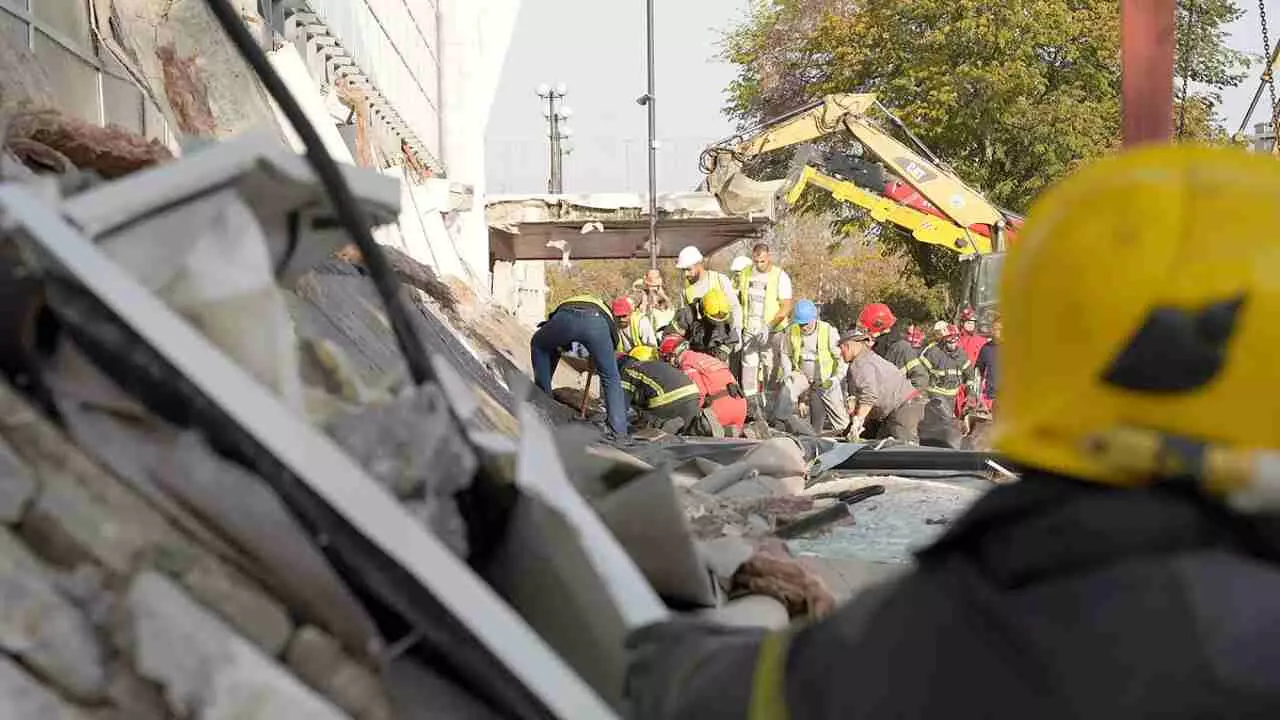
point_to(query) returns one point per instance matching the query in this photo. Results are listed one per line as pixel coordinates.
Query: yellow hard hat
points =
(1139, 307)
(643, 353)
(715, 305)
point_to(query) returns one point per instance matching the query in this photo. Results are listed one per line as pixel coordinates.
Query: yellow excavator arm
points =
(963, 206)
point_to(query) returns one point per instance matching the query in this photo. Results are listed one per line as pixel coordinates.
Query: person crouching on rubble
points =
(586, 320)
(812, 368)
(1131, 571)
(882, 402)
(707, 324)
(724, 407)
(662, 396)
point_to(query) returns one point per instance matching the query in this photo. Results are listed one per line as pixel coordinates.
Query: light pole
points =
(649, 102)
(556, 114)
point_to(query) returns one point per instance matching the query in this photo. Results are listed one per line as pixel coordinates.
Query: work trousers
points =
(673, 417)
(760, 351)
(826, 405)
(901, 424)
(591, 330)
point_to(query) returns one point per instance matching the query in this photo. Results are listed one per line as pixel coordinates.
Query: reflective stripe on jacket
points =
(654, 383)
(826, 361)
(947, 371)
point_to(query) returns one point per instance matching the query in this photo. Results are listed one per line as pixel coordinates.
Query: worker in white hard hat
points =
(698, 280)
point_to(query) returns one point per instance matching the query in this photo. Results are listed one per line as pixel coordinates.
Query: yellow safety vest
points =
(591, 299)
(633, 337)
(826, 361)
(714, 279)
(771, 301)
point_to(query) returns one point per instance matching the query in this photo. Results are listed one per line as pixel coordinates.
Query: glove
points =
(854, 433)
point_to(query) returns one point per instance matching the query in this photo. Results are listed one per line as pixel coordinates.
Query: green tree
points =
(1204, 66)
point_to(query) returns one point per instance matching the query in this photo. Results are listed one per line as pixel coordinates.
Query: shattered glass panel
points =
(68, 18)
(122, 103)
(75, 82)
(14, 27)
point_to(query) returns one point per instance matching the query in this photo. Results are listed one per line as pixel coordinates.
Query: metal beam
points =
(1146, 56)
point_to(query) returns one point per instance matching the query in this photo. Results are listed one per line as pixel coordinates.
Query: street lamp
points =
(556, 112)
(649, 102)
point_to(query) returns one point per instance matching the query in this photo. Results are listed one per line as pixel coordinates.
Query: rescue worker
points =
(662, 396)
(634, 329)
(949, 371)
(653, 302)
(736, 266)
(718, 389)
(765, 295)
(706, 324)
(1128, 573)
(915, 337)
(970, 340)
(812, 368)
(698, 281)
(586, 320)
(890, 341)
(987, 364)
(881, 400)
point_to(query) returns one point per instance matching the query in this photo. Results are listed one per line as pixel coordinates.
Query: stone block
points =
(256, 615)
(17, 485)
(317, 658)
(22, 696)
(43, 629)
(204, 668)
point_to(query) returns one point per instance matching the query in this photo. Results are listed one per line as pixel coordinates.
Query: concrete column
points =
(474, 36)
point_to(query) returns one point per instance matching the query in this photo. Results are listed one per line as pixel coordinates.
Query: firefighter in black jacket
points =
(663, 396)
(891, 343)
(708, 325)
(1131, 572)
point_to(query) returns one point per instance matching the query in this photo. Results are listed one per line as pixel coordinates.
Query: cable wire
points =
(348, 210)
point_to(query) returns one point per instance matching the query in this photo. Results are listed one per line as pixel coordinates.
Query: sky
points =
(597, 48)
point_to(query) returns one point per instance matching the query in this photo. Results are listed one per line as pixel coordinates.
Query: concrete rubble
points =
(156, 564)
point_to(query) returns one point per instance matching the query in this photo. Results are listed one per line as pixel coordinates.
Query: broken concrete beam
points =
(206, 670)
(317, 658)
(22, 696)
(39, 626)
(109, 151)
(17, 485)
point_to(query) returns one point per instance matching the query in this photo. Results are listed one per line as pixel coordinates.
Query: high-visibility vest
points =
(633, 336)
(772, 303)
(714, 279)
(595, 303)
(826, 361)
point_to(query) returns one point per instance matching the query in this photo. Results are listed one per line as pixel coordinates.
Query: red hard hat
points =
(621, 306)
(876, 317)
(670, 344)
(967, 314)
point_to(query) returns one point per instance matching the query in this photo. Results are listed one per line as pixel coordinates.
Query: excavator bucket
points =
(739, 194)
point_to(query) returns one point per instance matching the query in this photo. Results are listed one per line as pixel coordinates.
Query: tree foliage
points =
(1011, 94)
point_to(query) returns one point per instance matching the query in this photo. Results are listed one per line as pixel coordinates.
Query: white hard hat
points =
(688, 257)
(740, 263)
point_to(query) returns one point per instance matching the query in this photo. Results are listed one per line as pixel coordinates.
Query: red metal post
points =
(1146, 57)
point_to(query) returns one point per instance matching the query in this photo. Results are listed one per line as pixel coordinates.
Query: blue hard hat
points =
(805, 312)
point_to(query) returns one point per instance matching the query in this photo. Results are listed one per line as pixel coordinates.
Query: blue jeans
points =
(592, 331)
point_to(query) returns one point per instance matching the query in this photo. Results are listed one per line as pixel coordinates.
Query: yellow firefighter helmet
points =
(643, 353)
(715, 305)
(1138, 309)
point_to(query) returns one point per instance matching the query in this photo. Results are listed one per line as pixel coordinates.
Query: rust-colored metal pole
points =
(1146, 57)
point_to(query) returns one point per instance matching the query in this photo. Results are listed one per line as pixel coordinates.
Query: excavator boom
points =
(918, 186)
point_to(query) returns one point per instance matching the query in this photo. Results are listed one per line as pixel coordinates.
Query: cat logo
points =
(915, 171)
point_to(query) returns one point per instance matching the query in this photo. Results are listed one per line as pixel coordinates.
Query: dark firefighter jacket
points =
(1050, 599)
(947, 370)
(893, 346)
(704, 334)
(654, 384)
